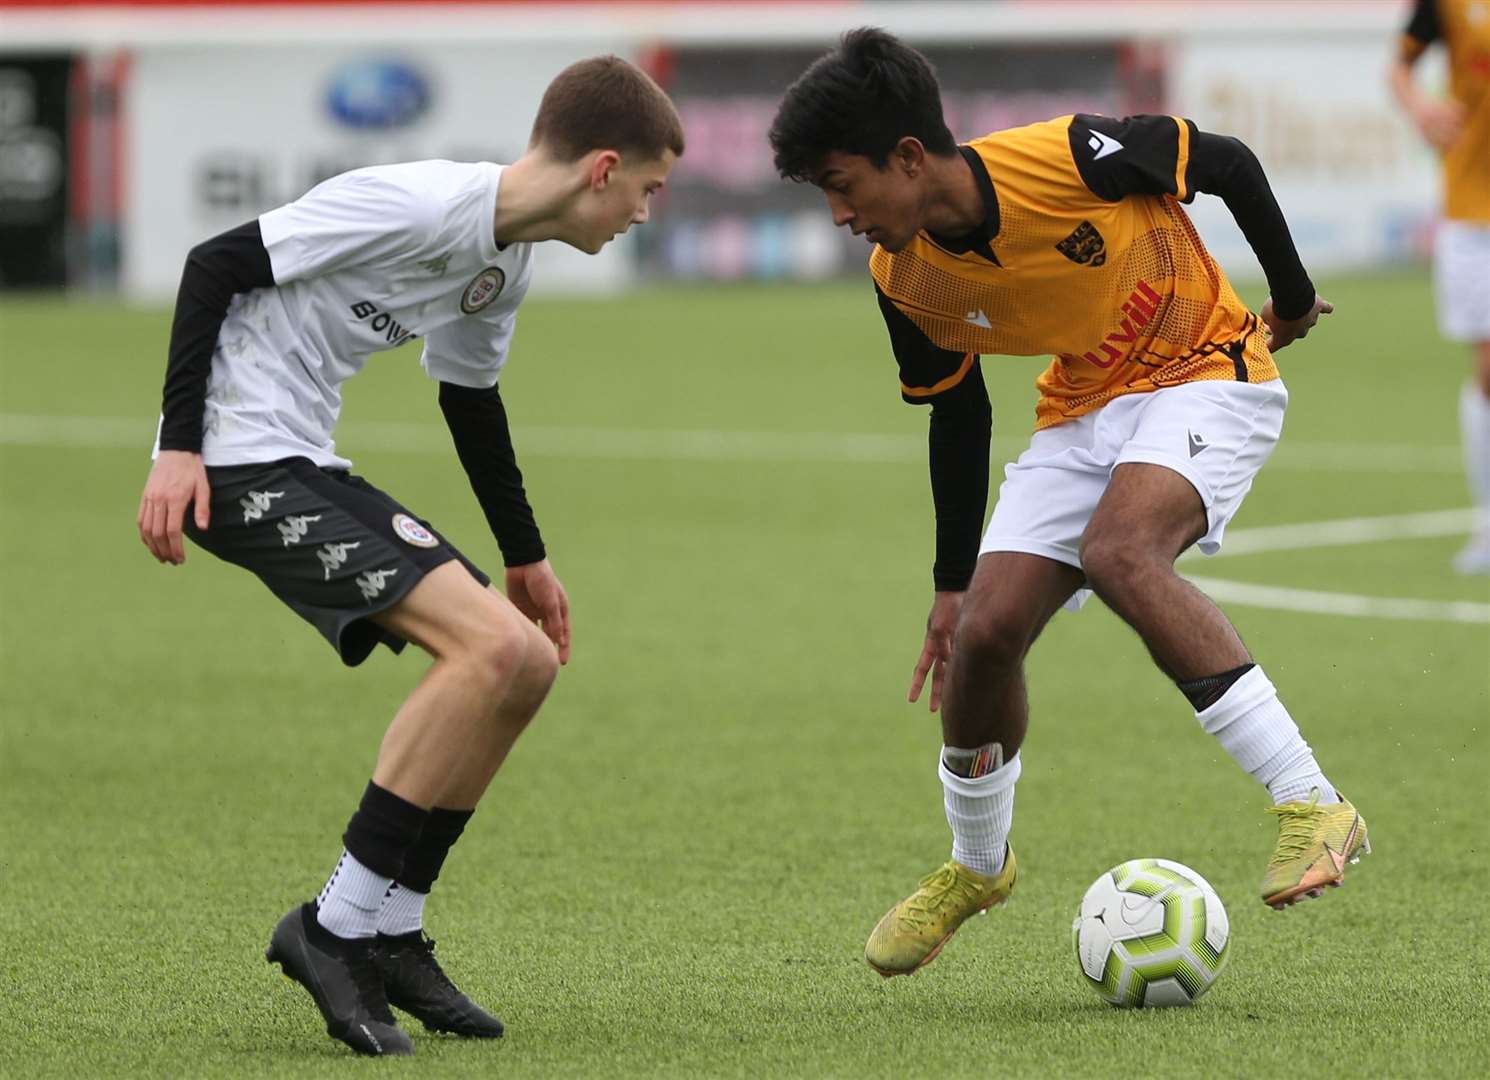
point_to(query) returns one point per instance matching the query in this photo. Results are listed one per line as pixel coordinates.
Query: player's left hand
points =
(534, 590)
(1282, 332)
(936, 650)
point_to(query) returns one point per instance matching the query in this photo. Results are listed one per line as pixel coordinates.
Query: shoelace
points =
(936, 891)
(424, 956)
(1296, 828)
(369, 983)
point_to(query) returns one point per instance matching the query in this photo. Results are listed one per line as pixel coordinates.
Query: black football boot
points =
(341, 977)
(415, 982)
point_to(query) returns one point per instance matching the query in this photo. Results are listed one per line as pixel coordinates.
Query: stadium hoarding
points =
(1357, 184)
(217, 134)
(34, 122)
(729, 216)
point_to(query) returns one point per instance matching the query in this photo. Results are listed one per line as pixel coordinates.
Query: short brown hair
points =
(606, 103)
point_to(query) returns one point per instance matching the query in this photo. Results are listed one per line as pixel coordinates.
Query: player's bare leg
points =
(1474, 424)
(1011, 598)
(492, 669)
(1147, 516)
(984, 715)
(491, 672)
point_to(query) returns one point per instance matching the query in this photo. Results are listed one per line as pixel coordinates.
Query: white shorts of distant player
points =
(1216, 434)
(1461, 278)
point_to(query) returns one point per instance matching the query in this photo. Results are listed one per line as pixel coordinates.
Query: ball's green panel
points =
(1153, 945)
(1178, 968)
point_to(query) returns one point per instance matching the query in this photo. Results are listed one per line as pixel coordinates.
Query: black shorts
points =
(327, 543)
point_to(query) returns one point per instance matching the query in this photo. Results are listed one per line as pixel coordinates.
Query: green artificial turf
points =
(676, 871)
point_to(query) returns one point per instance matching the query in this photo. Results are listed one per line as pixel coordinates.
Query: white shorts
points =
(1461, 279)
(1216, 434)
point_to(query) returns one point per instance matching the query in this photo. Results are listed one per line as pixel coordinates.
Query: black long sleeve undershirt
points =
(216, 270)
(958, 438)
(483, 442)
(1224, 166)
(1219, 165)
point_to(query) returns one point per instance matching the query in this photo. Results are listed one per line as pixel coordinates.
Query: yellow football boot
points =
(914, 930)
(1314, 844)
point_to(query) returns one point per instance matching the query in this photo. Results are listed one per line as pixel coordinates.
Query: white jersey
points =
(364, 261)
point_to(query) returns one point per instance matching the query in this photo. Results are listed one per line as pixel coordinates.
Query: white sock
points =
(403, 911)
(349, 904)
(1252, 726)
(1474, 429)
(980, 812)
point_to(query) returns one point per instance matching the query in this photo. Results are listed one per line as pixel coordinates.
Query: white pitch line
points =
(1344, 531)
(591, 443)
(1279, 598)
(600, 443)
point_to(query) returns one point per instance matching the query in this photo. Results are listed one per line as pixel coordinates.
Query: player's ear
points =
(601, 167)
(909, 155)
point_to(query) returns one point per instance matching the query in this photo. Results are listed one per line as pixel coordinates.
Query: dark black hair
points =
(861, 98)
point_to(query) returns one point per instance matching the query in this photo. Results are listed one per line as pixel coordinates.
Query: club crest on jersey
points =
(411, 532)
(1084, 246)
(484, 288)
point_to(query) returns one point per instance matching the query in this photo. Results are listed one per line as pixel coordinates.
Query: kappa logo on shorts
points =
(372, 582)
(256, 502)
(411, 532)
(334, 556)
(293, 529)
(484, 288)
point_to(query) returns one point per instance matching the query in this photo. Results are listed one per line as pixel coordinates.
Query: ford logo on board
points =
(378, 94)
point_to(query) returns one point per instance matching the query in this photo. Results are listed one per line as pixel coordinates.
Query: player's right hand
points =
(178, 479)
(1440, 121)
(936, 650)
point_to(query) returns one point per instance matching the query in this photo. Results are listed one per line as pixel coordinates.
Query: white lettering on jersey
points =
(363, 262)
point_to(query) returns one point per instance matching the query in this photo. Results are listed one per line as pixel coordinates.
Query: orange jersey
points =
(1088, 256)
(1464, 28)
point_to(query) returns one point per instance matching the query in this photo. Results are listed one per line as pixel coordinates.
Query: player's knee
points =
(1113, 564)
(992, 639)
(541, 663)
(495, 651)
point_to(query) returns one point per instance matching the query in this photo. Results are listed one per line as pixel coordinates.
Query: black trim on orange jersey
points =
(1141, 155)
(216, 270)
(1424, 24)
(1237, 350)
(1136, 155)
(976, 241)
(926, 370)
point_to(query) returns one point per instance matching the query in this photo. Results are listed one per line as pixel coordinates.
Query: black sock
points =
(1203, 693)
(422, 863)
(383, 830)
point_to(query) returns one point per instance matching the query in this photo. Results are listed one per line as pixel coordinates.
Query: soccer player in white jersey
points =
(271, 319)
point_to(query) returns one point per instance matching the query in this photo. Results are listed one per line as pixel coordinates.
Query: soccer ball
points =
(1151, 932)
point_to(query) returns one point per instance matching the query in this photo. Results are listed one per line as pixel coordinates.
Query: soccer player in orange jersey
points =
(1161, 403)
(1459, 128)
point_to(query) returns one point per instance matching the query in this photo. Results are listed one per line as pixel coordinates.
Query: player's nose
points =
(841, 211)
